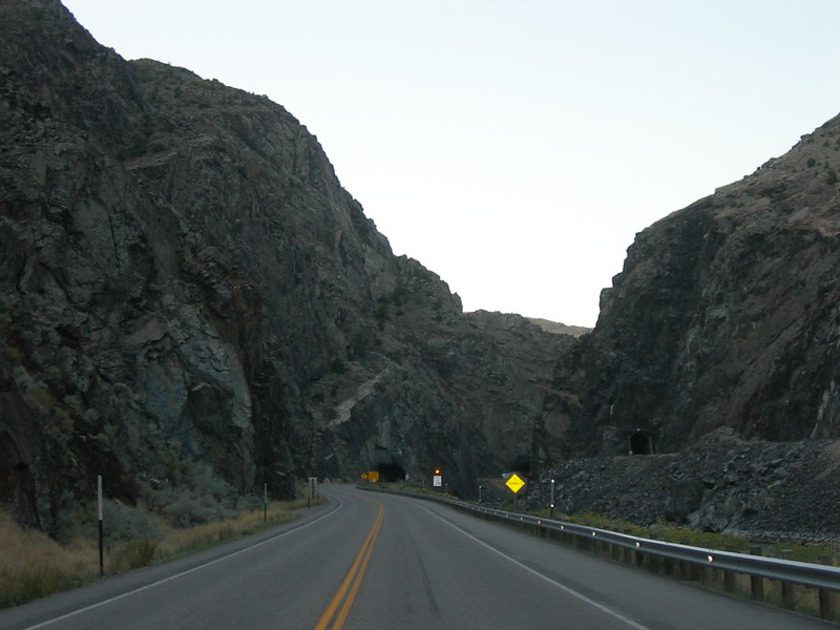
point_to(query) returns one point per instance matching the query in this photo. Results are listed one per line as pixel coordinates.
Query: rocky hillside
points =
(192, 305)
(777, 490)
(727, 314)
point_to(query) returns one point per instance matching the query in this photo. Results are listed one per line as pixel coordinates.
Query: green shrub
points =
(124, 523)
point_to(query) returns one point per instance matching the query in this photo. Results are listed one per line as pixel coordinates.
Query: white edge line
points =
(79, 611)
(563, 587)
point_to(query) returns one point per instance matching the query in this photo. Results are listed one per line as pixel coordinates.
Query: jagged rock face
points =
(727, 314)
(188, 292)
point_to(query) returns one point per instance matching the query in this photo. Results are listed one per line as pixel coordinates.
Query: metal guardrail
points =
(792, 571)
(823, 577)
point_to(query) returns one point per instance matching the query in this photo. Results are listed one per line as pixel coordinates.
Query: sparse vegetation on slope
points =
(33, 565)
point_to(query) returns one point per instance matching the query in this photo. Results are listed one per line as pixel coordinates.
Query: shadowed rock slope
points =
(191, 301)
(727, 314)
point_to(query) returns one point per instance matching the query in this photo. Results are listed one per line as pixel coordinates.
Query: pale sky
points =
(514, 148)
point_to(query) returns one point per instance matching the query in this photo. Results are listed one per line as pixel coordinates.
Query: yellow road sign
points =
(363, 476)
(515, 483)
(373, 476)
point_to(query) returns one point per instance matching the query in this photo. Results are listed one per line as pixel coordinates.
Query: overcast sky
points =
(514, 148)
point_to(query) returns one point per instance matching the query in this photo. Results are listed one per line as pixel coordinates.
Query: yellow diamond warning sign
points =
(515, 483)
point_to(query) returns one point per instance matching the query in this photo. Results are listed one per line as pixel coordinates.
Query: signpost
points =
(311, 493)
(101, 534)
(437, 479)
(514, 483)
(265, 503)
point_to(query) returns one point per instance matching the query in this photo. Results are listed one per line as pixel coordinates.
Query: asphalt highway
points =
(370, 561)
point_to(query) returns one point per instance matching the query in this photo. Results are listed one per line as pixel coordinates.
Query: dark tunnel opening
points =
(390, 472)
(522, 465)
(641, 443)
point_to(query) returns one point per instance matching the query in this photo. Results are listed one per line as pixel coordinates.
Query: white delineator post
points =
(101, 535)
(551, 502)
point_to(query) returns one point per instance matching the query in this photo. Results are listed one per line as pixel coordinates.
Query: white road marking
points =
(545, 578)
(73, 613)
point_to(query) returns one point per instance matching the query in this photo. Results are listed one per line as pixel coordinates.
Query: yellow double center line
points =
(353, 579)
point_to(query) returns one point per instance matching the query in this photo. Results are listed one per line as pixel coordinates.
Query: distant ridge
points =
(556, 328)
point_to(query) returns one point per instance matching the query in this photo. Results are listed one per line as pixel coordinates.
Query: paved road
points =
(370, 561)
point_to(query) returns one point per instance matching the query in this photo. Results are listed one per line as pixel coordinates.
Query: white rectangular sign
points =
(437, 481)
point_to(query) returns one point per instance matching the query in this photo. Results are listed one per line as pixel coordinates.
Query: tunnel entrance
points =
(522, 465)
(640, 443)
(390, 472)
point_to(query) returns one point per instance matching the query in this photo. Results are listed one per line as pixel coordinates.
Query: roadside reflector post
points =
(551, 502)
(265, 503)
(479, 494)
(101, 532)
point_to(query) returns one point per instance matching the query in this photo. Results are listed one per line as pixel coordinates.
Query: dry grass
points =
(33, 565)
(178, 542)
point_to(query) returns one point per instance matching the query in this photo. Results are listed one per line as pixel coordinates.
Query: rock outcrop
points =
(727, 314)
(779, 490)
(190, 299)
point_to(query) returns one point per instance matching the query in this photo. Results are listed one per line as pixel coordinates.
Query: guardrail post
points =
(668, 566)
(707, 575)
(729, 576)
(694, 572)
(826, 597)
(788, 600)
(728, 581)
(756, 582)
(826, 604)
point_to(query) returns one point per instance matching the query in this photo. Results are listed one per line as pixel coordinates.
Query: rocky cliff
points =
(193, 306)
(727, 314)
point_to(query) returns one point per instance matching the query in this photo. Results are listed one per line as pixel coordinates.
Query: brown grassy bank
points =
(32, 565)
